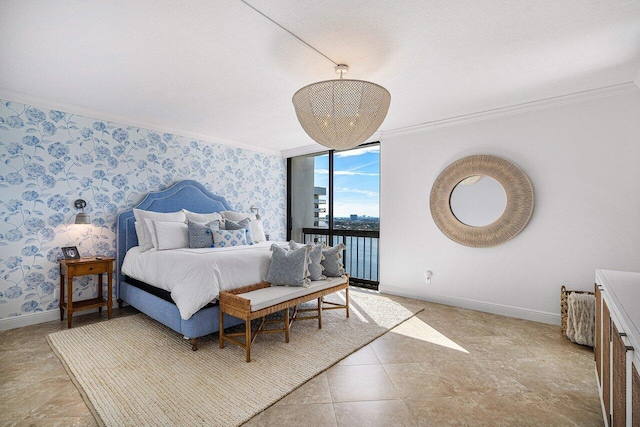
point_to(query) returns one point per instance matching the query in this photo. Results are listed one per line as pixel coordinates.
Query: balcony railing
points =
(361, 255)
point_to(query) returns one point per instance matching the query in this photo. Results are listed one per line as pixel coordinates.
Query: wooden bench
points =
(257, 301)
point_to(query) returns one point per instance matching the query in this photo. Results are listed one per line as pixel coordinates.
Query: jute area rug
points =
(135, 371)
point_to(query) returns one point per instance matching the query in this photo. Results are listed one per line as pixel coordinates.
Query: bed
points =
(189, 195)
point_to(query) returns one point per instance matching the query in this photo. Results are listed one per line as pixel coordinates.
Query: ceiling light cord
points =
(334, 62)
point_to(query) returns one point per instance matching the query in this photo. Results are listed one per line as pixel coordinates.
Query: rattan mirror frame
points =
(515, 216)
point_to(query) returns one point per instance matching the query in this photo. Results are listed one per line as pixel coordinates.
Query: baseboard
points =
(488, 307)
(41, 317)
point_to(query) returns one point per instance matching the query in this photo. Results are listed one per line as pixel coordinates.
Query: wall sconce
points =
(255, 209)
(82, 217)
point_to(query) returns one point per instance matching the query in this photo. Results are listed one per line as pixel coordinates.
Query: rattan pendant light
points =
(341, 114)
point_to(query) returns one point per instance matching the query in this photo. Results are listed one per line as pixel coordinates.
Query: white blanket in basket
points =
(581, 309)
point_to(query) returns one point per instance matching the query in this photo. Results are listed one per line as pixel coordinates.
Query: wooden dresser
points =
(617, 346)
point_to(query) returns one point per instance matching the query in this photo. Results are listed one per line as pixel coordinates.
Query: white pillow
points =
(202, 218)
(146, 243)
(152, 233)
(171, 235)
(238, 216)
(139, 232)
(258, 231)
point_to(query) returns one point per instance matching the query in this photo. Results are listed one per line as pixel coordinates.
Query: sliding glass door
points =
(333, 197)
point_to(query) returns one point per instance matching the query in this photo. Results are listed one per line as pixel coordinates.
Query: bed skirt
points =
(202, 323)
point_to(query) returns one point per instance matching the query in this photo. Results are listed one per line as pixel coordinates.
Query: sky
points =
(356, 180)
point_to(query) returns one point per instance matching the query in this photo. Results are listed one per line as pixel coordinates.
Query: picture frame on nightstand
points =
(70, 252)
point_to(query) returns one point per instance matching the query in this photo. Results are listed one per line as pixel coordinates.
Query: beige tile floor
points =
(446, 366)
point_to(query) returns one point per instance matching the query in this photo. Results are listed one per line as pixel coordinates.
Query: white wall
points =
(584, 163)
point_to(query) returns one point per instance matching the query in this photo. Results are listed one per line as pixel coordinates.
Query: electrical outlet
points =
(427, 276)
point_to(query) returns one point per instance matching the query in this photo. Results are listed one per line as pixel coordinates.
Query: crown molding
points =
(574, 98)
(23, 98)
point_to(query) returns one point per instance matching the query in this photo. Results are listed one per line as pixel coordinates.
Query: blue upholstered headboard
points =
(190, 195)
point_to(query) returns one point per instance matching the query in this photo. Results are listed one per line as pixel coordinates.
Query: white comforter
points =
(195, 277)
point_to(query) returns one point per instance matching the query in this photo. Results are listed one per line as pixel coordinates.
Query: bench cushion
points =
(266, 297)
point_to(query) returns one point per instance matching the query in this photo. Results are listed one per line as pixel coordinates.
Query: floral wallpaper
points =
(51, 158)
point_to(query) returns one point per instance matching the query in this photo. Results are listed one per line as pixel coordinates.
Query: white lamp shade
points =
(341, 114)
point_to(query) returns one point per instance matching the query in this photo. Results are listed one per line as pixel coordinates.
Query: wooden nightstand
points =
(70, 268)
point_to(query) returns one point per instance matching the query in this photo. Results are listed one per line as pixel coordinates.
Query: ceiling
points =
(220, 71)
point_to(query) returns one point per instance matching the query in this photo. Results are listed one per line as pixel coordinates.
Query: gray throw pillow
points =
(332, 260)
(245, 223)
(289, 268)
(315, 256)
(199, 235)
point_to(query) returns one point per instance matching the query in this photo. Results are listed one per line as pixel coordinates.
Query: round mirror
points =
(478, 200)
(481, 201)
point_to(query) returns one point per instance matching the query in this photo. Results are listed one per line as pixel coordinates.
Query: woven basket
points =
(564, 306)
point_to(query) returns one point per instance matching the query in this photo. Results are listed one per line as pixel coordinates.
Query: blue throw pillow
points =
(289, 268)
(245, 223)
(226, 238)
(199, 235)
